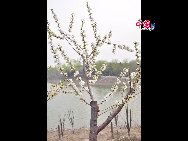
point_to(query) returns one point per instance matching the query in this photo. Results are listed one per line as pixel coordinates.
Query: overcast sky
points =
(120, 16)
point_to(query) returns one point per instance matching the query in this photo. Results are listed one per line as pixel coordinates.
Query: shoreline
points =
(102, 81)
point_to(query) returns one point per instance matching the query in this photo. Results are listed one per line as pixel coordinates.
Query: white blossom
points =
(70, 80)
(81, 83)
(89, 74)
(90, 60)
(103, 67)
(92, 81)
(79, 78)
(133, 74)
(65, 74)
(76, 73)
(118, 81)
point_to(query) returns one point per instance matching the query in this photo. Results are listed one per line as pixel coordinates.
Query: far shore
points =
(102, 81)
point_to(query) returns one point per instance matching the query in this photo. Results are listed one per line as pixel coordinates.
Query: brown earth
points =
(105, 135)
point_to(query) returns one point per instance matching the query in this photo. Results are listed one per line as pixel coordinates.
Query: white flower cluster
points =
(52, 92)
(89, 74)
(68, 61)
(113, 90)
(81, 83)
(110, 34)
(88, 61)
(138, 73)
(76, 90)
(93, 23)
(83, 35)
(133, 74)
(118, 81)
(92, 82)
(76, 73)
(103, 67)
(96, 75)
(114, 48)
(54, 16)
(138, 88)
(58, 25)
(55, 56)
(71, 22)
(124, 100)
(124, 87)
(56, 89)
(122, 74)
(69, 38)
(92, 68)
(65, 74)
(123, 47)
(99, 41)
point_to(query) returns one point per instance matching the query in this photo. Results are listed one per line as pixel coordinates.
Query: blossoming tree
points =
(130, 87)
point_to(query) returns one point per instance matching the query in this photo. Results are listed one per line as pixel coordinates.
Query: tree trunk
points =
(93, 121)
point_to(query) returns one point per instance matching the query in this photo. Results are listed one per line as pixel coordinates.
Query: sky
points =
(119, 16)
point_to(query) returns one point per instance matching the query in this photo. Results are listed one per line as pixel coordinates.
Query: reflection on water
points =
(59, 105)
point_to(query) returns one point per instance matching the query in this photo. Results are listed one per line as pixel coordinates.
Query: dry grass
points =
(105, 135)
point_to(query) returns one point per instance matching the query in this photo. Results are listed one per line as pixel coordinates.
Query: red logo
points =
(146, 25)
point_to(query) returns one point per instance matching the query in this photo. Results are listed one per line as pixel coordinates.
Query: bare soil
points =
(105, 135)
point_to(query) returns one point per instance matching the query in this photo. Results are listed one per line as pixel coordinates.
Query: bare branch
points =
(110, 117)
(108, 120)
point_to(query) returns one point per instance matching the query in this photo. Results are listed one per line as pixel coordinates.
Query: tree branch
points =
(87, 80)
(110, 117)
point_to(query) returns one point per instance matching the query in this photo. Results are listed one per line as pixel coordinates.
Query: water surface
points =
(59, 106)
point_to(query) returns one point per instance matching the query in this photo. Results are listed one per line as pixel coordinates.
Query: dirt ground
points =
(105, 135)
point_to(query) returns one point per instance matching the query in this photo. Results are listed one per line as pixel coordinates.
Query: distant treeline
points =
(114, 68)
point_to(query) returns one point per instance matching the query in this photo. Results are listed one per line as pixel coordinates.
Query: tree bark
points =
(93, 121)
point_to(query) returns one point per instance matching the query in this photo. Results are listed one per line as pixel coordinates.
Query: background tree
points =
(53, 72)
(88, 53)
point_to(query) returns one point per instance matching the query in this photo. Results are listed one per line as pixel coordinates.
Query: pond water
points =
(60, 104)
